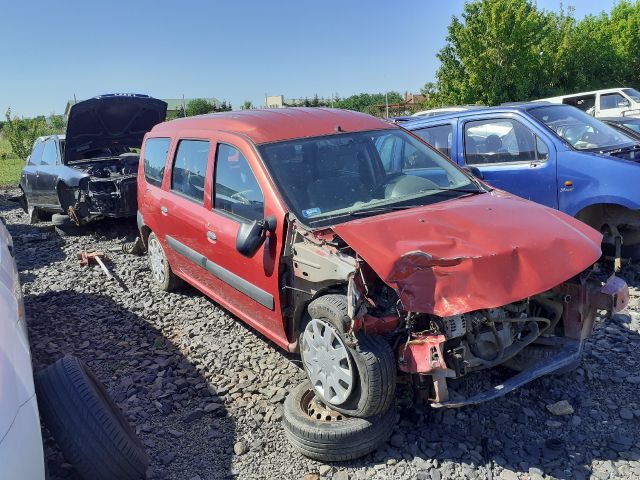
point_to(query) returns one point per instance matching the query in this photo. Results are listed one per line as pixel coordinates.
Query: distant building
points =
(274, 101)
(174, 105)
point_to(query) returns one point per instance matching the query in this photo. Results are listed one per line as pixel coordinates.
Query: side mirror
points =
(252, 235)
(475, 171)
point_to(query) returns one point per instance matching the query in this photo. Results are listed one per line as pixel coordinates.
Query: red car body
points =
(445, 259)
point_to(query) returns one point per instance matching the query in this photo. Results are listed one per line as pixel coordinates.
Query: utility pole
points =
(386, 103)
(184, 108)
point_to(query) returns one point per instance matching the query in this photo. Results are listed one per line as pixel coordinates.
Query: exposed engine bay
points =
(109, 190)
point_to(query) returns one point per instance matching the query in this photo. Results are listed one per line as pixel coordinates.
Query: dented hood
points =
(481, 251)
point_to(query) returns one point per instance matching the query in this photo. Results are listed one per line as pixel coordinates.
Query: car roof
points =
(478, 112)
(277, 124)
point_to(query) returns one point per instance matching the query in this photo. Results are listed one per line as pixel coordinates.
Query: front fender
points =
(601, 200)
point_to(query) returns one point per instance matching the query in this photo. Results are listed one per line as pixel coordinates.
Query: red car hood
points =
(481, 251)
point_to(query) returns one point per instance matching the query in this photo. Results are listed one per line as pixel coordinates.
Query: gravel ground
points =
(205, 392)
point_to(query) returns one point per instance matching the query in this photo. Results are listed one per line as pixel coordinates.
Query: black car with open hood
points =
(91, 172)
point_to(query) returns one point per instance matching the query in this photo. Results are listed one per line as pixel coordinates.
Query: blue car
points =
(555, 155)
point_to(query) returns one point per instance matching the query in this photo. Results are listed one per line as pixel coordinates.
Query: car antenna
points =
(339, 129)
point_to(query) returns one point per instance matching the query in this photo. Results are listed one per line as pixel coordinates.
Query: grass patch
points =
(10, 165)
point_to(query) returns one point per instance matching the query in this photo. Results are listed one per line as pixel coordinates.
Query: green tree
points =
(368, 102)
(247, 105)
(199, 106)
(21, 133)
(493, 53)
(58, 125)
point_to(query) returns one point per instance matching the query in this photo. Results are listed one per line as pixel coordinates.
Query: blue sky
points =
(234, 50)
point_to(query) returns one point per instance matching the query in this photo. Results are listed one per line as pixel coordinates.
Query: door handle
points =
(212, 236)
(164, 210)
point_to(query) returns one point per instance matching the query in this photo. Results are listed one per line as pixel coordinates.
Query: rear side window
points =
(237, 190)
(155, 159)
(36, 155)
(439, 137)
(189, 168)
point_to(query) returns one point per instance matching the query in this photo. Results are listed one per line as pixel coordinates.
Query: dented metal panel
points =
(482, 251)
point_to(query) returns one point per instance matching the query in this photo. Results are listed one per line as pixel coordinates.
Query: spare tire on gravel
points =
(324, 434)
(64, 226)
(87, 425)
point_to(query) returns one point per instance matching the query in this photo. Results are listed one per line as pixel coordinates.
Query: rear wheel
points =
(161, 271)
(319, 432)
(358, 380)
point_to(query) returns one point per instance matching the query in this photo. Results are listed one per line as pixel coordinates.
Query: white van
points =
(611, 102)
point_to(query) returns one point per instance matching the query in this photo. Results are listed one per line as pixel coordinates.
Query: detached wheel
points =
(534, 354)
(357, 381)
(321, 433)
(89, 428)
(161, 271)
(64, 226)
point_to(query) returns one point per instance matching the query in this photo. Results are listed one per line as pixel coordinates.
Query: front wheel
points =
(359, 380)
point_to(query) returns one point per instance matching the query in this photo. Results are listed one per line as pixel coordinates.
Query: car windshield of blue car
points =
(582, 131)
(325, 180)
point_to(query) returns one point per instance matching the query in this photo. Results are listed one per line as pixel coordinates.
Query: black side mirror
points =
(475, 171)
(252, 235)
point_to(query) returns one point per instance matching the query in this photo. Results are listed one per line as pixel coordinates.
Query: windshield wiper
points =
(628, 148)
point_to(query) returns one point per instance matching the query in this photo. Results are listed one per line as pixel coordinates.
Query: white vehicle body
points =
(21, 452)
(610, 102)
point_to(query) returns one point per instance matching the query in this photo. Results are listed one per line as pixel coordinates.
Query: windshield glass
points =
(582, 131)
(327, 180)
(632, 126)
(632, 93)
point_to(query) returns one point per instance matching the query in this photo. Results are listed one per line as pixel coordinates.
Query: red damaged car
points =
(297, 222)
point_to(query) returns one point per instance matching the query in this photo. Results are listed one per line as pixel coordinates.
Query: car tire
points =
(87, 425)
(161, 271)
(534, 354)
(34, 214)
(332, 437)
(372, 361)
(64, 226)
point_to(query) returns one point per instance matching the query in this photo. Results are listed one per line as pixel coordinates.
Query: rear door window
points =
(236, 188)
(439, 136)
(155, 159)
(189, 168)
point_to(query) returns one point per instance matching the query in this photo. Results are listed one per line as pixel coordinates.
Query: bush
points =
(21, 133)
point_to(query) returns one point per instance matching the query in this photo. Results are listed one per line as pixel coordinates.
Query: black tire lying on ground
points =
(87, 425)
(64, 226)
(330, 440)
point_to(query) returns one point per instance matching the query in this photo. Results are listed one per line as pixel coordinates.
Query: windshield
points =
(327, 180)
(582, 131)
(632, 93)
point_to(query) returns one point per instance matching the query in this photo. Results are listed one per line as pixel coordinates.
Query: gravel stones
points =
(204, 391)
(560, 408)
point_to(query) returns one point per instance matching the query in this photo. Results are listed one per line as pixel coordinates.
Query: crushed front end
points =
(538, 335)
(109, 189)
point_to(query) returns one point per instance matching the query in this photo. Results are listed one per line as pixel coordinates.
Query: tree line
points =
(510, 50)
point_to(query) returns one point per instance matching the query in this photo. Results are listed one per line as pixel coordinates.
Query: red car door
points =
(201, 223)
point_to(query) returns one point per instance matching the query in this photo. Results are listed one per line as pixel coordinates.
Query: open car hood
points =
(110, 121)
(482, 251)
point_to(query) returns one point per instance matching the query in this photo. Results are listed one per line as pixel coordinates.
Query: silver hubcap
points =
(327, 362)
(156, 260)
